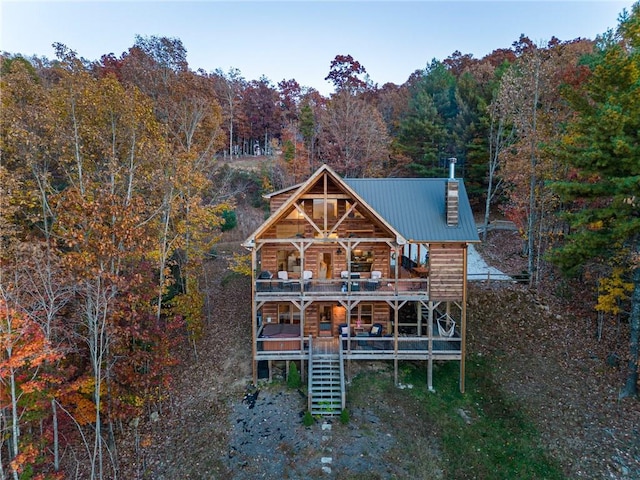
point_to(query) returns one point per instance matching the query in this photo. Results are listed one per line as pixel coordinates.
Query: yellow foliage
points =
(612, 290)
(190, 306)
(597, 225)
(241, 264)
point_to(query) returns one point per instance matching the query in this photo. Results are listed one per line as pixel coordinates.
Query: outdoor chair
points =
(374, 282)
(307, 275)
(283, 276)
(376, 330)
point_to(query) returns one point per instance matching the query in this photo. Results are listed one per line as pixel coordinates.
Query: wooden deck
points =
(406, 287)
(405, 347)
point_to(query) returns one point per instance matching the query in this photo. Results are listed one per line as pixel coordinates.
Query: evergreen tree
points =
(603, 146)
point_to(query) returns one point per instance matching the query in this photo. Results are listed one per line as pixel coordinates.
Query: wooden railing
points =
(361, 346)
(338, 286)
(343, 390)
(310, 374)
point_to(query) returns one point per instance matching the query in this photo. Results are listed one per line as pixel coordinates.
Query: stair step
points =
(325, 396)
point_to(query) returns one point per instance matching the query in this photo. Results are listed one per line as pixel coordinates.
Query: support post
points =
(254, 320)
(430, 359)
(463, 322)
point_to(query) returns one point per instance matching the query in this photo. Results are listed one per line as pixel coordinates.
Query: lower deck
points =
(404, 347)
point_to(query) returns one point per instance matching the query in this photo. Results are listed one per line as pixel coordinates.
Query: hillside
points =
(544, 357)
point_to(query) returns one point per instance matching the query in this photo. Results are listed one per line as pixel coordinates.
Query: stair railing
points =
(343, 392)
(310, 375)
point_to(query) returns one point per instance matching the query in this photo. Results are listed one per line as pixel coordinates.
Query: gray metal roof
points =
(415, 207)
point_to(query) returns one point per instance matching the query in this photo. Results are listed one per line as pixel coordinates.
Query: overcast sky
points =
(299, 39)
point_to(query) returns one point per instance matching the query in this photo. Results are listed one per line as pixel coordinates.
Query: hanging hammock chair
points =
(446, 325)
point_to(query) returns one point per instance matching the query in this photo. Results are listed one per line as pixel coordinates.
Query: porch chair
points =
(344, 330)
(374, 282)
(344, 275)
(284, 276)
(376, 330)
(307, 275)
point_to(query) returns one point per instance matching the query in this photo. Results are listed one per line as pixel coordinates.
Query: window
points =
(318, 208)
(287, 313)
(288, 260)
(365, 314)
(287, 231)
(361, 261)
(355, 213)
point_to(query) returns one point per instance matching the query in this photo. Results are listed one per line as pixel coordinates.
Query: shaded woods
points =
(114, 194)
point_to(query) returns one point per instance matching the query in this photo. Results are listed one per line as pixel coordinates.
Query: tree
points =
(422, 135)
(262, 116)
(229, 87)
(353, 138)
(602, 145)
(23, 349)
(529, 99)
(346, 73)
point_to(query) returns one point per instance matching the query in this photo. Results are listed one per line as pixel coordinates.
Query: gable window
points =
(354, 213)
(319, 206)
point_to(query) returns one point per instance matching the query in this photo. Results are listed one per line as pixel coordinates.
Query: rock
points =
(465, 416)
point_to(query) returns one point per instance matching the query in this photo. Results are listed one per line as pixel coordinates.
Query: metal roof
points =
(415, 207)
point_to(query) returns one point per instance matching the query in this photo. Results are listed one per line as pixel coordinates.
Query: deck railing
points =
(337, 286)
(309, 374)
(365, 346)
(343, 390)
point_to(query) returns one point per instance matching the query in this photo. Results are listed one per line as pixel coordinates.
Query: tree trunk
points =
(534, 178)
(15, 426)
(56, 442)
(631, 386)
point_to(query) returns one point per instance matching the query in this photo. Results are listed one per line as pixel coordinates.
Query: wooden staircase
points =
(326, 377)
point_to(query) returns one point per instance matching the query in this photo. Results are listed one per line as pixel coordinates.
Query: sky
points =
(298, 39)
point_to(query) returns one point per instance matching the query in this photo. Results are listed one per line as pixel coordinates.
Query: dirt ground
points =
(546, 358)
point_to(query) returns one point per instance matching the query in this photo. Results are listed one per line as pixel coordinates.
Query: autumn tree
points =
(529, 99)
(229, 87)
(602, 147)
(348, 74)
(23, 350)
(353, 138)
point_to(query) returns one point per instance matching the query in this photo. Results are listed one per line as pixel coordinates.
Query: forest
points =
(117, 179)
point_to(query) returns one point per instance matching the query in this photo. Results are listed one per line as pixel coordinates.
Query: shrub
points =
(229, 220)
(344, 417)
(293, 380)
(307, 419)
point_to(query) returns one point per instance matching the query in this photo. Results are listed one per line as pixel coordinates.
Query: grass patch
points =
(499, 442)
(479, 434)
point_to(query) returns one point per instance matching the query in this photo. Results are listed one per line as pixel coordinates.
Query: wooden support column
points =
(463, 322)
(431, 308)
(395, 342)
(254, 320)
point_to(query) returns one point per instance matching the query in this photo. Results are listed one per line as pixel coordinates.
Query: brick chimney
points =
(452, 196)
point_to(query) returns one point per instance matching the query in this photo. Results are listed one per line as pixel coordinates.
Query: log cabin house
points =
(352, 269)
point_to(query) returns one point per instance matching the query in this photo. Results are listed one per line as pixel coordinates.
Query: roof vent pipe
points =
(452, 168)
